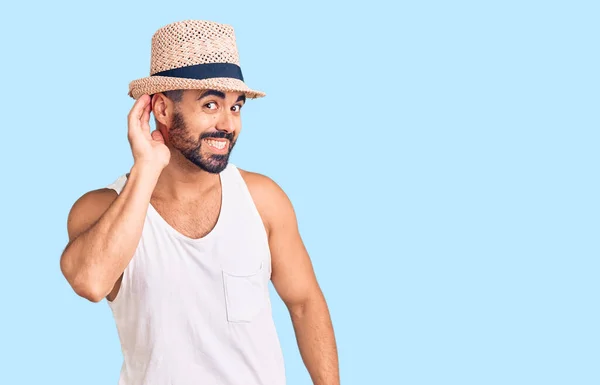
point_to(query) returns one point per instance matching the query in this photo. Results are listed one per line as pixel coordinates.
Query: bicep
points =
(292, 275)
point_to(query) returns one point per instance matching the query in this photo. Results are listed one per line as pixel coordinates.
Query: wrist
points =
(146, 170)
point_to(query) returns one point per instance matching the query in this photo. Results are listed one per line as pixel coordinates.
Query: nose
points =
(226, 123)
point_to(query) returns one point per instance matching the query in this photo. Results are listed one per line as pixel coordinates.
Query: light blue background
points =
(442, 158)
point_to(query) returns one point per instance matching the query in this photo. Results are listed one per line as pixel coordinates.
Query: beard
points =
(191, 148)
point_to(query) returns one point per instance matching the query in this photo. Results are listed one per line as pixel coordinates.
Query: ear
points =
(162, 108)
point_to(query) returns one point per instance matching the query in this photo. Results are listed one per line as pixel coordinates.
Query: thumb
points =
(157, 136)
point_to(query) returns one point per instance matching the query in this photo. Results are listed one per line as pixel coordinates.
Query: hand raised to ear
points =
(147, 147)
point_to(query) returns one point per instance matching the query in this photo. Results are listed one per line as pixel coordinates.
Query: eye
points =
(236, 108)
(211, 105)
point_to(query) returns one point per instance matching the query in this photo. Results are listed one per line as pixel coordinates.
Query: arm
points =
(294, 280)
(104, 230)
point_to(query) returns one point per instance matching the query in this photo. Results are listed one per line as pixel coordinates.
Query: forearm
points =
(94, 260)
(316, 341)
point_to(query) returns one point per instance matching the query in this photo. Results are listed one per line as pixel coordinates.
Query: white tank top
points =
(198, 311)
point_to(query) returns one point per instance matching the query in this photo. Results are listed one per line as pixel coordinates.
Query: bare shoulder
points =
(261, 185)
(88, 209)
(270, 199)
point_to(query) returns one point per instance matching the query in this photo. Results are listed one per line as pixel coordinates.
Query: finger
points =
(138, 108)
(157, 136)
(144, 127)
(146, 117)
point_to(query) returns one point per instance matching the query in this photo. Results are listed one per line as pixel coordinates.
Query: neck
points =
(181, 180)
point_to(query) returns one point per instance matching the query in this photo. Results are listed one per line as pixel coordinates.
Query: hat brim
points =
(155, 84)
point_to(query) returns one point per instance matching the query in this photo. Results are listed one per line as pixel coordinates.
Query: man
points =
(184, 245)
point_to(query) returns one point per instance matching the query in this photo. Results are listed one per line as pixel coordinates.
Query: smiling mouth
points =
(217, 145)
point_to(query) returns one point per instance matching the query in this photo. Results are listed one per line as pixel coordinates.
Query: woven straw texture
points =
(188, 43)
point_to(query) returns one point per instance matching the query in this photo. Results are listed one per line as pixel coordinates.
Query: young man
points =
(184, 245)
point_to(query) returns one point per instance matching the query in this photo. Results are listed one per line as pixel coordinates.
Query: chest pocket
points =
(245, 294)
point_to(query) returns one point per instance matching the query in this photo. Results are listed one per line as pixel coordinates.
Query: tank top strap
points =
(119, 183)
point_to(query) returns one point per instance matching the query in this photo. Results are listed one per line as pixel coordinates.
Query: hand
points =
(147, 148)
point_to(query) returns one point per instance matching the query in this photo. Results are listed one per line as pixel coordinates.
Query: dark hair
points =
(174, 95)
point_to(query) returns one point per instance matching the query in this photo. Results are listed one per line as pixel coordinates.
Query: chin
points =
(215, 164)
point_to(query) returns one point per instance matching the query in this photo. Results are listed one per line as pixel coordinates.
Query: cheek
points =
(237, 123)
(201, 124)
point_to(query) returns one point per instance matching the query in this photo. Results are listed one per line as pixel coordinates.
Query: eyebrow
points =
(216, 93)
(221, 95)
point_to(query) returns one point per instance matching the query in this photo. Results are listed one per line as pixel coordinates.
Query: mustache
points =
(218, 135)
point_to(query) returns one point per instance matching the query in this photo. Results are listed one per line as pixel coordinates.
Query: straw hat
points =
(193, 54)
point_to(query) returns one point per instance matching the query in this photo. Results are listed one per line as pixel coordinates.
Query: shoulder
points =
(261, 185)
(270, 199)
(88, 208)
(99, 199)
(95, 200)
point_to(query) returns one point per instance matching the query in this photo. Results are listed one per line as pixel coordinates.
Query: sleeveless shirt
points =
(198, 311)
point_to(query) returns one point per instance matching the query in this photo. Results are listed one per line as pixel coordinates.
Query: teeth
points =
(217, 144)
